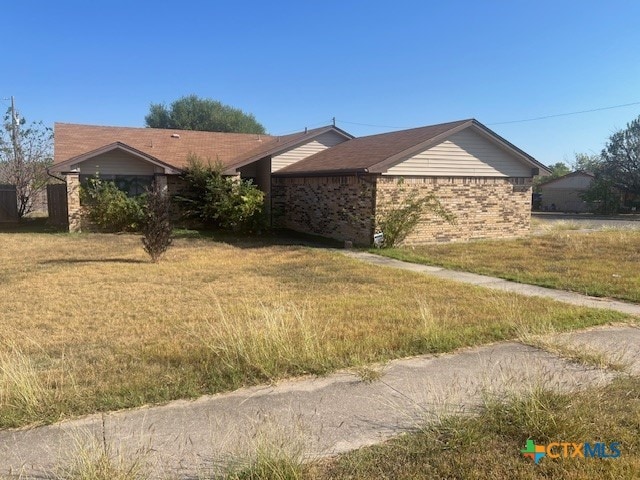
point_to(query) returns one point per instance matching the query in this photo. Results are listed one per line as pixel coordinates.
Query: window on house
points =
(132, 185)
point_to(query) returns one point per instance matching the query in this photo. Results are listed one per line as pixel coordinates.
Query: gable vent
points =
(175, 135)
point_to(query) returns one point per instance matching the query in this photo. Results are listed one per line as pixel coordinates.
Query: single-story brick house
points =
(564, 194)
(324, 181)
(133, 157)
(479, 177)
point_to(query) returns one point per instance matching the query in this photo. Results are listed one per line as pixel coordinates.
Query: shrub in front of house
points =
(109, 208)
(396, 223)
(220, 201)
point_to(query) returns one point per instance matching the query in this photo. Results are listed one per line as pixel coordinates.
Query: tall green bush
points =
(220, 201)
(109, 208)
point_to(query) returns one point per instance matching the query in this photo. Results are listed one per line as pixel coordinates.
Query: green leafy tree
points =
(602, 196)
(586, 163)
(621, 159)
(617, 173)
(195, 113)
(25, 154)
(220, 201)
(558, 170)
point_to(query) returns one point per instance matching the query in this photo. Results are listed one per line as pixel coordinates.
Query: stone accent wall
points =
(73, 202)
(338, 207)
(488, 207)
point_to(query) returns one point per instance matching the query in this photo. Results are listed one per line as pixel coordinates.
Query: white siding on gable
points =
(115, 163)
(321, 142)
(463, 154)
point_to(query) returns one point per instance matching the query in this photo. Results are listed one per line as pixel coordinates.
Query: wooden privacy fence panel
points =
(57, 204)
(8, 203)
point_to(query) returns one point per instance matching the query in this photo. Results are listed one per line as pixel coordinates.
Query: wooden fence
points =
(8, 203)
(57, 204)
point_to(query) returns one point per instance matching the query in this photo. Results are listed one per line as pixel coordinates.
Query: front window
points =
(132, 185)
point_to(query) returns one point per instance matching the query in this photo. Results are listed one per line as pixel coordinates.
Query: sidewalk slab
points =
(618, 344)
(498, 283)
(325, 416)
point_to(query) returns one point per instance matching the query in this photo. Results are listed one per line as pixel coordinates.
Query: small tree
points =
(156, 226)
(25, 155)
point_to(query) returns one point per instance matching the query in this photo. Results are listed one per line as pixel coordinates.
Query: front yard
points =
(488, 446)
(602, 263)
(90, 324)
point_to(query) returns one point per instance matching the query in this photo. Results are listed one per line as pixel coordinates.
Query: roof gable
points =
(68, 164)
(465, 153)
(288, 142)
(378, 153)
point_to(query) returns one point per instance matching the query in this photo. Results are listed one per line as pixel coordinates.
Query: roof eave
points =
(323, 173)
(64, 167)
(510, 146)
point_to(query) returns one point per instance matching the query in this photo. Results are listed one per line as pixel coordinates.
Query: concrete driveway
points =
(589, 221)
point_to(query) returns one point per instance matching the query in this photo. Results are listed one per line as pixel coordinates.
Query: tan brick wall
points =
(338, 207)
(483, 207)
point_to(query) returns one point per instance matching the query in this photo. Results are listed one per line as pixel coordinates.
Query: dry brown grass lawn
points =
(602, 263)
(89, 323)
(488, 446)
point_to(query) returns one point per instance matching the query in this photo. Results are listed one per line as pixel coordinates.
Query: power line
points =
(368, 124)
(280, 134)
(566, 114)
(544, 117)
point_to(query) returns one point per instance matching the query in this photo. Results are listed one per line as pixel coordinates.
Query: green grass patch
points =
(600, 263)
(90, 324)
(488, 446)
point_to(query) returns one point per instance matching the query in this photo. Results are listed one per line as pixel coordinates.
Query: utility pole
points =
(14, 130)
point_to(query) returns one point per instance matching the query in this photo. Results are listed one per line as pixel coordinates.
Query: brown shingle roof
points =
(232, 149)
(377, 153)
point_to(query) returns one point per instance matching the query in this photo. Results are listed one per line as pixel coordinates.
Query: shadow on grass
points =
(62, 261)
(267, 239)
(31, 225)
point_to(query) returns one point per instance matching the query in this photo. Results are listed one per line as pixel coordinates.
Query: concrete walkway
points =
(498, 283)
(315, 416)
(325, 416)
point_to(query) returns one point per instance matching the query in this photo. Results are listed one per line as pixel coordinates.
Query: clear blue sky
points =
(296, 64)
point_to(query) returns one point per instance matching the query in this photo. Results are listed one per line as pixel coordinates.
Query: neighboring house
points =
(478, 176)
(564, 194)
(133, 157)
(324, 181)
